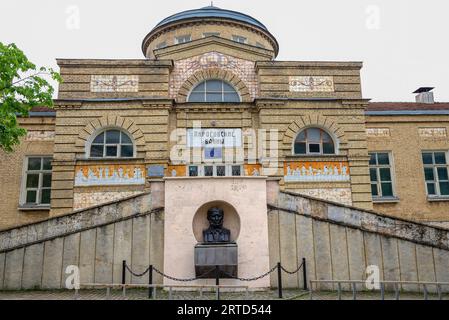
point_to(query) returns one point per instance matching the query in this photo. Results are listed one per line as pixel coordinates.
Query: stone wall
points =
(339, 242)
(97, 240)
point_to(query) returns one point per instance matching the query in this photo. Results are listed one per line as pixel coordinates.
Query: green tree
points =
(22, 87)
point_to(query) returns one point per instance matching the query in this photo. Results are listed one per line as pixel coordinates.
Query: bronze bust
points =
(216, 233)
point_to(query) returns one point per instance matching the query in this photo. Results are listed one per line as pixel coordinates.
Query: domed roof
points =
(211, 12)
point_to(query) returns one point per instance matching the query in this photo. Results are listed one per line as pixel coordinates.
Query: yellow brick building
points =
(209, 99)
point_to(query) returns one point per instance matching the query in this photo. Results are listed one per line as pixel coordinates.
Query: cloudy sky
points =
(403, 43)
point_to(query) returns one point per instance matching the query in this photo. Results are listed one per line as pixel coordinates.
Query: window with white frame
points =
(313, 141)
(381, 175)
(215, 170)
(183, 39)
(214, 91)
(239, 39)
(112, 143)
(37, 182)
(436, 173)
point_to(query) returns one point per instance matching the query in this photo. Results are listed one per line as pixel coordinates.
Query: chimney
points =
(425, 95)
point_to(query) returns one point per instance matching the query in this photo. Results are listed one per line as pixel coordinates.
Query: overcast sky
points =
(403, 43)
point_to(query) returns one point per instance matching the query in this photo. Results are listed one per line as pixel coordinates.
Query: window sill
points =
(438, 199)
(33, 208)
(112, 160)
(317, 157)
(386, 200)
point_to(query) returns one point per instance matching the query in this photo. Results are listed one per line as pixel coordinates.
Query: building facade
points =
(209, 101)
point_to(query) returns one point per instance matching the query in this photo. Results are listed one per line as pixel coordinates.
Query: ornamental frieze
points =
(109, 175)
(114, 83)
(311, 84)
(326, 171)
(432, 132)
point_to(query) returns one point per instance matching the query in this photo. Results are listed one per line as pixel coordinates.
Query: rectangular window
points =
(193, 171)
(211, 34)
(215, 170)
(236, 171)
(239, 39)
(37, 182)
(183, 39)
(381, 175)
(436, 173)
(260, 45)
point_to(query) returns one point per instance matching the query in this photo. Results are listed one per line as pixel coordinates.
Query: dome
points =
(211, 12)
(227, 23)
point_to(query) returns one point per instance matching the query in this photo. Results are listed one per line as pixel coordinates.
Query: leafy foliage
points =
(22, 87)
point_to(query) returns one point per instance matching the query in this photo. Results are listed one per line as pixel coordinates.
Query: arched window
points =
(314, 141)
(214, 91)
(112, 143)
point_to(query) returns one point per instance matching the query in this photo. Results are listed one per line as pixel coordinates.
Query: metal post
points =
(304, 273)
(123, 271)
(382, 291)
(426, 294)
(217, 280)
(150, 281)
(354, 291)
(396, 291)
(279, 280)
(339, 290)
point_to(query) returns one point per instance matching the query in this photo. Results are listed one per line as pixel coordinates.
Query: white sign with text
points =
(214, 138)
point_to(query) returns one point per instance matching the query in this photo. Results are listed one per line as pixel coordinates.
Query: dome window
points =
(313, 141)
(214, 91)
(112, 143)
(183, 39)
(239, 39)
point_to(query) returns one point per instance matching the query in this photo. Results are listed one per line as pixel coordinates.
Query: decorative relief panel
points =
(252, 170)
(432, 132)
(311, 84)
(40, 136)
(114, 83)
(378, 132)
(184, 69)
(304, 171)
(176, 171)
(109, 175)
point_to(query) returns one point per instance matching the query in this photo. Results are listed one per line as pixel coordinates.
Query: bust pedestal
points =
(209, 256)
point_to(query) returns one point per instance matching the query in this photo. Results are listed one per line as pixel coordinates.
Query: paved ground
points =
(142, 294)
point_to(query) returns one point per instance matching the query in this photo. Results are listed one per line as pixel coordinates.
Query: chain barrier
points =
(183, 280)
(213, 270)
(251, 279)
(137, 274)
(292, 272)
